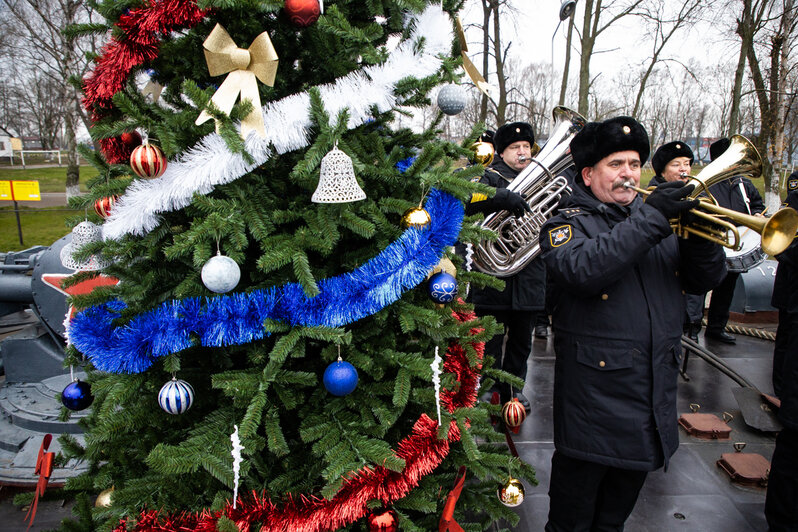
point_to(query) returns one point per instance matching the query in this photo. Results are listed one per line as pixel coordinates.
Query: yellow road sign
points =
(26, 190)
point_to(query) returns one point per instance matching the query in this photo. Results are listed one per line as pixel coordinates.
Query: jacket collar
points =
(506, 172)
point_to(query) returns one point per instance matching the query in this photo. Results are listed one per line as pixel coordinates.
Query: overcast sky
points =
(625, 45)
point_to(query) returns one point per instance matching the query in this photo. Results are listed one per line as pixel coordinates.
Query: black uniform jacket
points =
(656, 181)
(525, 290)
(729, 195)
(619, 275)
(785, 298)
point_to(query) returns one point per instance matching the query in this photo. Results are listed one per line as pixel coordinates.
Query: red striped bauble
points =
(513, 414)
(148, 161)
(103, 206)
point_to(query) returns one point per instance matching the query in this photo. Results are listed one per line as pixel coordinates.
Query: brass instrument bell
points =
(719, 224)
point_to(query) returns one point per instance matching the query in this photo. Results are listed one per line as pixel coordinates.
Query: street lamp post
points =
(566, 10)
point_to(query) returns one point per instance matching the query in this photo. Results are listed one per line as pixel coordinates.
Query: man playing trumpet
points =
(618, 273)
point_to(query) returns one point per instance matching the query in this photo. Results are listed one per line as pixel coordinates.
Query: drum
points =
(750, 254)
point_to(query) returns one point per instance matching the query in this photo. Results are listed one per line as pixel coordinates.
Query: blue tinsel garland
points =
(238, 318)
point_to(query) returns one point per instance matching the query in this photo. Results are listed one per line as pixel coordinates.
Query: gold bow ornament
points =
(468, 66)
(242, 68)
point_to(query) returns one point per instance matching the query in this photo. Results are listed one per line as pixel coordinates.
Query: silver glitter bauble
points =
(220, 274)
(452, 99)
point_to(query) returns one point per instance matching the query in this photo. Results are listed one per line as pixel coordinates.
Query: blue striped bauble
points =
(176, 396)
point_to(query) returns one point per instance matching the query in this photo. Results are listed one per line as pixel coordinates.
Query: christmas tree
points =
(273, 174)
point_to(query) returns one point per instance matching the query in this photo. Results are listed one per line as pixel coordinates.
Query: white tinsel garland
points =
(210, 163)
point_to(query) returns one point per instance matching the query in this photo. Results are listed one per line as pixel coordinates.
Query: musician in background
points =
(781, 504)
(673, 162)
(524, 294)
(619, 272)
(739, 194)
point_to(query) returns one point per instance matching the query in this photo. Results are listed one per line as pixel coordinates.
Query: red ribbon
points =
(447, 522)
(510, 443)
(44, 468)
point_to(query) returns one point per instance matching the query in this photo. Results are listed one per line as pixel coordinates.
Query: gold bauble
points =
(104, 498)
(415, 217)
(482, 153)
(512, 493)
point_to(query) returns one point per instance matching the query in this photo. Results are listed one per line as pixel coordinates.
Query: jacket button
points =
(683, 292)
(602, 364)
(604, 297)
(676, 273)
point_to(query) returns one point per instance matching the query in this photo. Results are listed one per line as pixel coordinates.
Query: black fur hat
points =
(792, 191)
(717, 148)
(599, 139)
(668, 152)
(509, 133)
(487, 136)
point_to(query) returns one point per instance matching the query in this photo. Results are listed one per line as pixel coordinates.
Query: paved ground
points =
(49, 199)
(694, 495)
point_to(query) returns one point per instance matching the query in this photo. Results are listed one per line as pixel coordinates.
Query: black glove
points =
(668, 198)
(507, 200)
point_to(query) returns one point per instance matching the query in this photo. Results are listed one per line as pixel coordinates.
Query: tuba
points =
(539, 184)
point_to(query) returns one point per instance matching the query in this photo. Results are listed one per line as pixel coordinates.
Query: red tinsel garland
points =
(422, 452)
(143, 29)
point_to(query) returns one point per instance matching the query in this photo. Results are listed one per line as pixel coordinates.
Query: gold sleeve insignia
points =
(560, 235)
(478, 197)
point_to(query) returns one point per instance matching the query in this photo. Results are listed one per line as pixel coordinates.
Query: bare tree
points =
(494, 57)
(36, 28)
(487, 13)
(771, 90)
(750, 21)
(567, 64)
(530, 94)
(662, 25)
(592, 27)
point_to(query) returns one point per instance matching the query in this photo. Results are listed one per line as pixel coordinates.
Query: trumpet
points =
(741, 158)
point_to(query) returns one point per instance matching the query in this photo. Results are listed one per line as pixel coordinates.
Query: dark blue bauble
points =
(442, 287)
(340, 378)
(77, 395)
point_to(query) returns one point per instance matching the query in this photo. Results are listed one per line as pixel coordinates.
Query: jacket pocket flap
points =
(605, 358)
